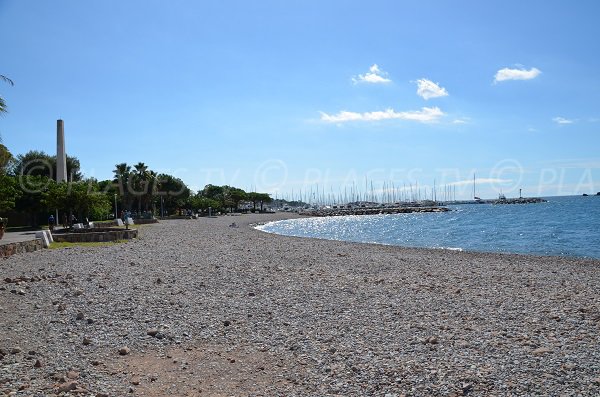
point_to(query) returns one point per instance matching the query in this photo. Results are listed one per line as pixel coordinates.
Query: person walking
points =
(51, 222)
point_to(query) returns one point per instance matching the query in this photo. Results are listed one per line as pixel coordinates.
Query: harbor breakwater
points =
(370, 211)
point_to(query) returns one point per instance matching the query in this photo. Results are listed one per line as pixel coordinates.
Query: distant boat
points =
(501, 197)
(585, 194)
(598, 194)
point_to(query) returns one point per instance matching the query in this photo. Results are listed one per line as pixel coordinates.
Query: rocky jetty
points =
(522, 200)
(370, 211)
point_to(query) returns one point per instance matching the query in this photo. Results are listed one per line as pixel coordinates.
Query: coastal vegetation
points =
(29, 192)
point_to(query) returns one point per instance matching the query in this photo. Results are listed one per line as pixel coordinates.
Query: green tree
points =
(5, 159)
(204, 203)
(173, 192)
(31, 189)
(39, 163)
(9, 193)
(258, 198)
(84, 199)
(212, 192)
(232, 196)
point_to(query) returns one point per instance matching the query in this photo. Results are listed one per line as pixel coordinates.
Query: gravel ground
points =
(198, 308)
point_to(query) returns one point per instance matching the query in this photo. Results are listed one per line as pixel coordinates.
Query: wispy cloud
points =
(427, 89)
(481, 181)
(461, 120)
(425, 115)
(562, 120)
(374, 76)
(516, 74)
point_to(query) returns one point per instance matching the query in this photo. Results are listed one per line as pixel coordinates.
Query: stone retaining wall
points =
(96, 236)
(21, 247)
(144, 221)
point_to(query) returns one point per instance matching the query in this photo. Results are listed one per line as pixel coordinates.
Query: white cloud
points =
(461, 120)
(425, 115)
(481, 181)
(562, 120)
(374, 76)
(427, 89)
(516, 74)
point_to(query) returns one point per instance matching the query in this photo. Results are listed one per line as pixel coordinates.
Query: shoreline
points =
(238, 311)
(453, 249)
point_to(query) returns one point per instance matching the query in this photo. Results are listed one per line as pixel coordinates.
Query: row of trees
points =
(27, 187)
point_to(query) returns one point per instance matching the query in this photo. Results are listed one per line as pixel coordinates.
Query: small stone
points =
(124, 351)
(95, 363)
(152, 331)
(21, 292)
(73, 375)
(90, 321)
(541, 350)
(38, 364)
(80, 316)
(15, 350)
(226, 323)
(66, 387)
(135, 381)
(87, 341)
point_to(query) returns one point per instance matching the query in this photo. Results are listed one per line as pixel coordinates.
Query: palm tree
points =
(151, 191)
(141, 178)
(2, 103)
(122, 179)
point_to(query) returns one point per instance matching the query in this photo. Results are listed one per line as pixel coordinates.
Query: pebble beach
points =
(200, 308)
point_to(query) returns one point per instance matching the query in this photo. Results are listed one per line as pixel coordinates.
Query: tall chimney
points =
(61, 156)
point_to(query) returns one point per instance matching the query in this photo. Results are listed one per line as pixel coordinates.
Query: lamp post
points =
(116, 207)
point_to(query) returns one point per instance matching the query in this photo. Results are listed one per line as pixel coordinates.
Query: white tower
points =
(61, 156)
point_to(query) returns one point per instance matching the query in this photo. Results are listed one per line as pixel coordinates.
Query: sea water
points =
(564, 226)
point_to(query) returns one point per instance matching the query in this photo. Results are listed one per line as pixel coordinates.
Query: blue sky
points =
(280, 96)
